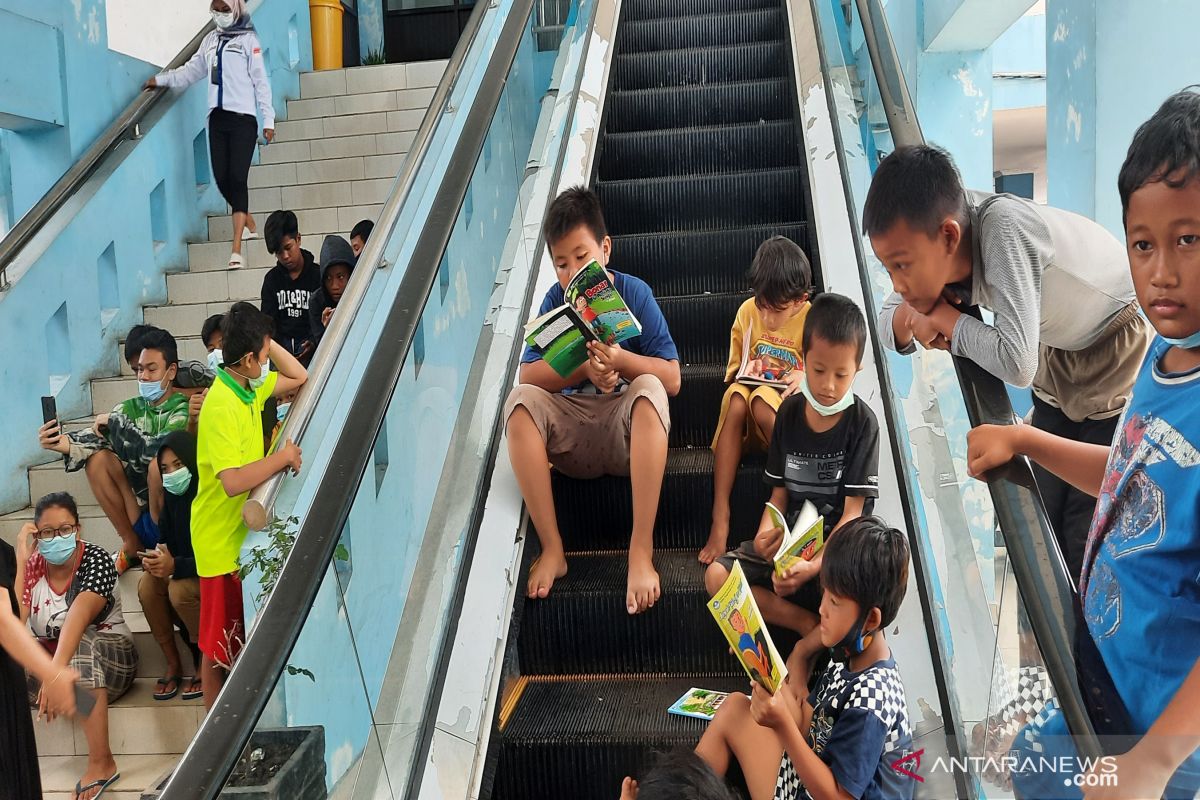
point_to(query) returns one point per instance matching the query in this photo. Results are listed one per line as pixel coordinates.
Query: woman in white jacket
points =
(232, 60)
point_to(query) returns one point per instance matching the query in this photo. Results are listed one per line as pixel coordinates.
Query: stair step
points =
(654, 9)
(695, 151)
(700, 325)
(187, 317)
(108, 393)
(375, 78)
(695, 410)
(700, 65)
(710, 104)
(138, 772)
(47, 478)
(347, 106)
(190, 347)
(223, 286)
(683, 508)
(694, 262)
(583, 627)
(579, 737)
(220, 229)
(733, 27)
(704, 202)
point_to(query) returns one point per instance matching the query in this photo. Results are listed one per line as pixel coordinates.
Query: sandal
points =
(196, 690)
(170, 680)
(236, 261)
(102, 785)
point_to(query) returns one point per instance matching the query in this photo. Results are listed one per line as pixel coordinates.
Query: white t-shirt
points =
(95, 573)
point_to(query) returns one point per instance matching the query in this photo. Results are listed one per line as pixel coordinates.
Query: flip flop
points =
(236, 261)
(100, 784)
(193, 694)
(167, 681)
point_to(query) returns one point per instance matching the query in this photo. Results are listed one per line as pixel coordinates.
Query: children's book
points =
(594, 311)
(760, 367)
(698, 703)
(802, 541)
(737, 615)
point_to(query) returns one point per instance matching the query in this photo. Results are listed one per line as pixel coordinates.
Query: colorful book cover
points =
(763, 365)
(737, 615)
(698, 703)
(802, 541)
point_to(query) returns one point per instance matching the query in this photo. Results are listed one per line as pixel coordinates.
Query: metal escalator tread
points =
(726, 27)
(689, 66)
(708, 104)
(700, 325)
(695, 409)
(656, 9)
(699, 150)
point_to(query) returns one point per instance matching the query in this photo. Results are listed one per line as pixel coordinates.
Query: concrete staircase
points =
(333, 162)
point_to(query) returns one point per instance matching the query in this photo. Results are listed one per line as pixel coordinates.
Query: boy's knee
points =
(650, 386)
(522, 402)
(100, 462)
(715, 576)
(148, 590)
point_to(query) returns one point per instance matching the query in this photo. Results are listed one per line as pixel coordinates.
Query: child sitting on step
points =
(825, 449)
(772, 324)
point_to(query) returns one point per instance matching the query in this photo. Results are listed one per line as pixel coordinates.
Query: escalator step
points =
(705, 202)
(654, 9)
(583, 626)
(694, 411)
(695, 151)
(758, 25)
(688, 67)
(683, 508)
(712, 104)
(579, 738)
(698, 262)
(700, 325)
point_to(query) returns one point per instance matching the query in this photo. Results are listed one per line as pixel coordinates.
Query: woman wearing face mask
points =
(70, 598)
(231, 59)
(169, 590)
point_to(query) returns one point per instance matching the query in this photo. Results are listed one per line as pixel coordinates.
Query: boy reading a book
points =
(825, 449)
(1139, 589)
(609, 417)
(772, 322)
(842, 739)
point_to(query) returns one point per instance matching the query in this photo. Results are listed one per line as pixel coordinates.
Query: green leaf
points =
(341, 552)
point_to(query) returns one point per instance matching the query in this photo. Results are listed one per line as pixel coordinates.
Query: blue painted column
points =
(370, 27)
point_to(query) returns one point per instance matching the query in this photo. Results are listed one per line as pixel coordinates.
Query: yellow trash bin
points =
(326, 20)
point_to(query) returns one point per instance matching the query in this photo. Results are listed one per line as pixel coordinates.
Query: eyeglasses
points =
(46, 534)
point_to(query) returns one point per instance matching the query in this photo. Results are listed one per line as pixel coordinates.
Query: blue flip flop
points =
(101, 784)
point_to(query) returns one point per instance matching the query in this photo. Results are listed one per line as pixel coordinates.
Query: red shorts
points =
(222, 622)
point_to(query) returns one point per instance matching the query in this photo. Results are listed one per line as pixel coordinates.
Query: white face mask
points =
(824, 410)
(224, 20)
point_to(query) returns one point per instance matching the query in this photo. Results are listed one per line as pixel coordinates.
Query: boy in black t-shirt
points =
(824, 449)
(288, 285)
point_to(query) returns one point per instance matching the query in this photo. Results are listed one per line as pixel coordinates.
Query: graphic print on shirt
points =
(293, 302)
(815, 474)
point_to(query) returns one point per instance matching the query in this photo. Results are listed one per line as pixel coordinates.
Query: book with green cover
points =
(802, 541)
(594, 311)
(698, 703)
(737, 615)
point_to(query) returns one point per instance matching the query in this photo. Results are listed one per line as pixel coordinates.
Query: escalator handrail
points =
(125, 126)
(214, 751)
(1049, 594)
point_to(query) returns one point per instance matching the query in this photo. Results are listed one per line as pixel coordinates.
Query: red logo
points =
(915, 758)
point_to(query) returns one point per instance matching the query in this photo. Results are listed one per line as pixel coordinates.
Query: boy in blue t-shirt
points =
(610, 417)
(1140, 585)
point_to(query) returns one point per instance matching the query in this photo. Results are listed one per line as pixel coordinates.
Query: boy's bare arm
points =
(291, 374)
(240, 480)
(1079, 464)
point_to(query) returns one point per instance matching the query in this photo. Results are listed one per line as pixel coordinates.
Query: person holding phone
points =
(70, 599)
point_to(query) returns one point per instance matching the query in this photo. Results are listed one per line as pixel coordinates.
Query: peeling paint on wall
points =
(1061, 32)
(1074, 122)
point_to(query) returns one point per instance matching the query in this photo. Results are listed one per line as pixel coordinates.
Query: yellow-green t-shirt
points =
(778, 350)
(230, 435)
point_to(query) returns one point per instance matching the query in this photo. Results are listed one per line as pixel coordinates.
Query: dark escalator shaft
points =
(699, 162)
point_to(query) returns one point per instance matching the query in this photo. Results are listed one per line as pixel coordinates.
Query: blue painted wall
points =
(370, 26)
(1020, 50)
(59, 289)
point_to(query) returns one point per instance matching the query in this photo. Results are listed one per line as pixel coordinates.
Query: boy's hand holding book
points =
(794, 577)
(793, 381)
(767, 541)
(774, 711)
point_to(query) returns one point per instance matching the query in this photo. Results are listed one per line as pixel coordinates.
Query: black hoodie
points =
(334, 250)
(286, 301)
(175, 522)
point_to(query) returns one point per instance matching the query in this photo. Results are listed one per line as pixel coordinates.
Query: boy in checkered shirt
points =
(843, 738)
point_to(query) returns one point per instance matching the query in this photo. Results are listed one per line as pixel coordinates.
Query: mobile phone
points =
(147, 553)
(85, 703)
(49, 409)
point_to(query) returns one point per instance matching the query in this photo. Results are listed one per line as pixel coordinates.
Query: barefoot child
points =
(780, 276)
(608, 418)
(840, 740)
(825, 449)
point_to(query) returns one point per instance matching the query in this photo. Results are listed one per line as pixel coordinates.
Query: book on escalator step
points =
(739, 619)
(594, 311)
(802, 540)
(698, 703)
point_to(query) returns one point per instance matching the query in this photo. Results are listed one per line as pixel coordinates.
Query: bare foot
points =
(546, 569)
(629, 789)
(718, 541)
(643, 590)
(251, 224)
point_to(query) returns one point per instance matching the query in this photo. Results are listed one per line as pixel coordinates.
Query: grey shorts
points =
(587, 435)
(758, 572)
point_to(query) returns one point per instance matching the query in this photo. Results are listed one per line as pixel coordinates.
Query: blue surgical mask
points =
(281, 411)
(824, 410)
(214, 360)
(151, 391)
(57, 550)
(177, 482)
(223, 21)
(1187, 342)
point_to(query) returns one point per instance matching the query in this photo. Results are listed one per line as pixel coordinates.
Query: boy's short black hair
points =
(163, 342)
(576, 206)
(867, 560)
(1165, 148)
(61, 500)
(133, 342)
(243, 331)
(838, 320)
(211, 326)
(362, 230)
(780, 273)
(683, 775)
(279, 225)
(918, 184)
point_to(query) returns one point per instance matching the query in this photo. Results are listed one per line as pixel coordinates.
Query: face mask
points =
(58, 549)
(214, 360)
(853, 643)
(824, 410)
(256, 383)
(281, 411)
(177, 482)
(1187, 342)
(151, 391)
(223, 21)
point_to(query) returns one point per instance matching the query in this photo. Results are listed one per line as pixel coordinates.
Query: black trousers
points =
(1070, 510)
(231, 140)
